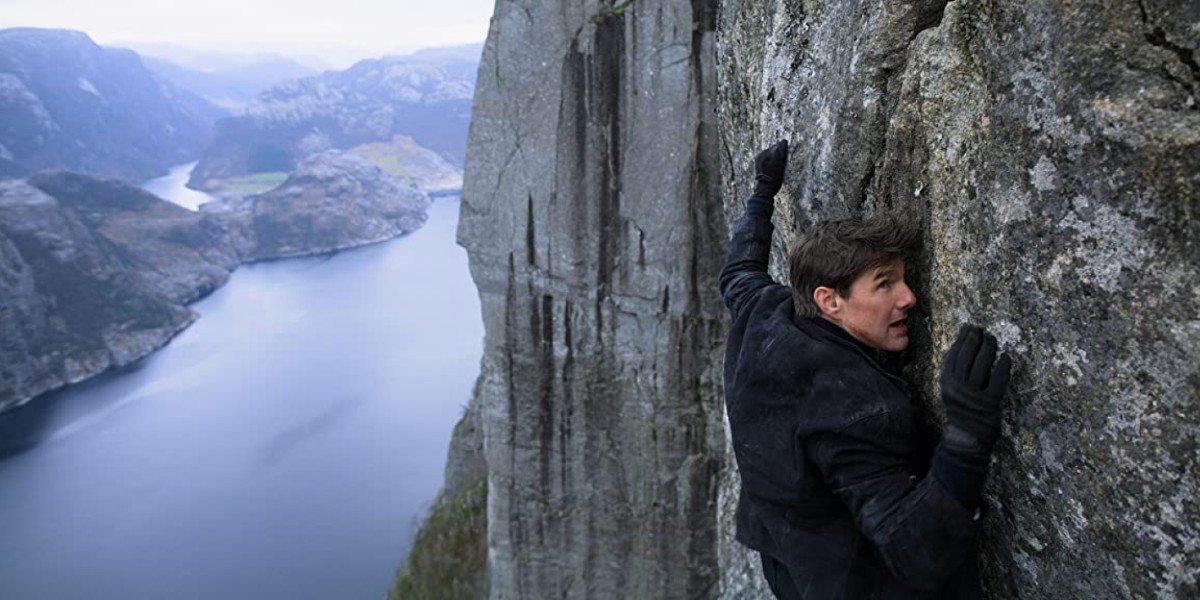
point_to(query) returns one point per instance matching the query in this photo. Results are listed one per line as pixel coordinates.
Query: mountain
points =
(1049, 151)
(332, 201)
(66, 103)
(231, 87)
(195, 58)
(425, 96)
(95, 274)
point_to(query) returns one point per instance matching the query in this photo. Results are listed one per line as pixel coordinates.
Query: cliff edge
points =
(594, 233)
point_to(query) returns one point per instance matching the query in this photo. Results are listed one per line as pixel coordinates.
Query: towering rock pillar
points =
(595, 235)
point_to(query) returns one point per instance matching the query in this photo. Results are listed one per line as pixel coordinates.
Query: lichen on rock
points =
(1050, 152)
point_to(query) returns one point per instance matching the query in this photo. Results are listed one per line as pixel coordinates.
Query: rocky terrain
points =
(425, 96)
(1050, 152)
(403, 158)
(591, 218)
(66, 103)
(96, 273)
(332, 201)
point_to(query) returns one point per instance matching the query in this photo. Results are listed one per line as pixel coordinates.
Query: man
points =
(836, 495)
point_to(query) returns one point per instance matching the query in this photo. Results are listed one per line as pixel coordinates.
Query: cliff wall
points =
(595, 237)
(1051, 152)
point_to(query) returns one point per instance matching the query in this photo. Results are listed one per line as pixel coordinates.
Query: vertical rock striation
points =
(595, 236)
(1052, 153)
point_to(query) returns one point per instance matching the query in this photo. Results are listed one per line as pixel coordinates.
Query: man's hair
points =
(834, 253)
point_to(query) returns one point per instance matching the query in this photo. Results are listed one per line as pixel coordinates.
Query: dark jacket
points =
(833, 483)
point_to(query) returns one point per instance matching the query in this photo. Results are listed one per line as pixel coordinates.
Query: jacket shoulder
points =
(847, 389)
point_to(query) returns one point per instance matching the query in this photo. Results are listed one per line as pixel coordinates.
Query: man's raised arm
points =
(745, 271)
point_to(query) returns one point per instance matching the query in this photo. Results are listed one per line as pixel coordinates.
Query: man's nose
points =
(907, 298)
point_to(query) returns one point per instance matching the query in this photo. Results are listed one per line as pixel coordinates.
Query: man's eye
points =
(885, 285)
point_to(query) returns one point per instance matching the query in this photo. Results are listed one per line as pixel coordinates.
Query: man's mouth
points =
(899, 326)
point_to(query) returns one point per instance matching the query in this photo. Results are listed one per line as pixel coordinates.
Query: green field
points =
(255, 183)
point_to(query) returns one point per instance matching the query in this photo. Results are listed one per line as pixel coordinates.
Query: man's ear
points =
(828, 301)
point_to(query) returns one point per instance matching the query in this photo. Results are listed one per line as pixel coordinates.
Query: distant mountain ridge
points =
(425, 96)
(196, 58)
(231, 88)
(67, 103)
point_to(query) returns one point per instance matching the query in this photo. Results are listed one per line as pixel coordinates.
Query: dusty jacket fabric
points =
(826, 441)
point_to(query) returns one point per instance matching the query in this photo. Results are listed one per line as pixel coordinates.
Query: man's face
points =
(876, 311)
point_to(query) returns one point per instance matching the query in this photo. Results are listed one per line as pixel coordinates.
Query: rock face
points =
(1051, 152)
(94, 274)
(426, 96)
(595, 236)
(66, 103)
(333, 201)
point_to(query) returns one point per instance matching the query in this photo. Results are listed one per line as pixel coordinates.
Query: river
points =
(283, 446)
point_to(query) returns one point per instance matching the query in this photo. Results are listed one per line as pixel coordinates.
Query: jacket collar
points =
(833, 333)
(836, 330)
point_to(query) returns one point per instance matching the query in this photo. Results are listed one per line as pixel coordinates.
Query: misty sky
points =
(330, 29)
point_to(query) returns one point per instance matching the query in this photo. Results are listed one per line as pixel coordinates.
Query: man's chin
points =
(896, 344)
(897, 338)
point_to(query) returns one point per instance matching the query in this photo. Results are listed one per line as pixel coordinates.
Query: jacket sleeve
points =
(745, 271)
(920, 530)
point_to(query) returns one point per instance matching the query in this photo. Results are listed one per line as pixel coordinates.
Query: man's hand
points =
(973, 384)
(769, 166)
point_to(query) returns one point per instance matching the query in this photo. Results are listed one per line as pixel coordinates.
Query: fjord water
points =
(172, 187)
(283, 446)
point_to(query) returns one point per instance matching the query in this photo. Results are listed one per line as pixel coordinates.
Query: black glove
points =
(768, 169)
(972, 389)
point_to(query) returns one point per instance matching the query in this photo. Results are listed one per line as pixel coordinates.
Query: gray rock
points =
(180, 254)
(333, 201)
(594, 233)
(1051, 153)
(79, 287)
